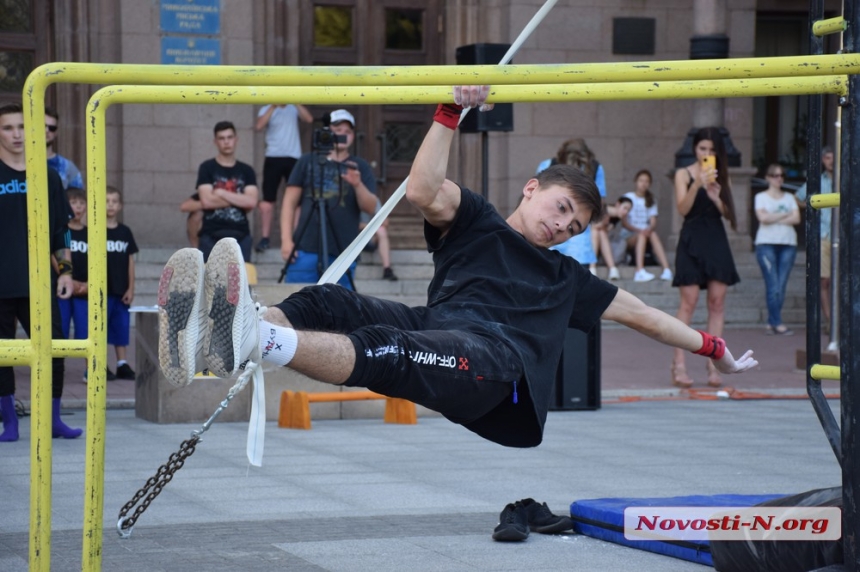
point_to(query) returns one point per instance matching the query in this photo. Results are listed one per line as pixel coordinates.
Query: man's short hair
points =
(51, 112)
(826, 149)
(624, 199)
(76, 193)
(114, 191)
(581, 186)
(224, 126)
(9, 108)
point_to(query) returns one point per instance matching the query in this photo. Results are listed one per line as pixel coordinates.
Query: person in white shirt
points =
(640, 228)
(776, 244)
(283, 149)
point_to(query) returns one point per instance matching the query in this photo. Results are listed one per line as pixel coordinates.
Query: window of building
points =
(24, 43)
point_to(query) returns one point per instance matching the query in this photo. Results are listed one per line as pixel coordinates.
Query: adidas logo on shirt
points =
(13, 187)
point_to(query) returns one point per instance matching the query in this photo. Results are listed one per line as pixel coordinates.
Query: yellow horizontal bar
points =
(16, 352)
(20, 352)
(402, 95)
(824, 201)
(820, 372)
(678, 70)
(829, 26)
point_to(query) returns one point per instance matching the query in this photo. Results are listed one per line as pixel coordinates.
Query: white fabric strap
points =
(257, 422)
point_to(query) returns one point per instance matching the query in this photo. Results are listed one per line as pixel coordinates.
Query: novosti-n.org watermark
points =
(698, 523)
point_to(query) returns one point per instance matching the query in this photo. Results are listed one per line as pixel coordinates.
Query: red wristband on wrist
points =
(448, 114)
(712, 347)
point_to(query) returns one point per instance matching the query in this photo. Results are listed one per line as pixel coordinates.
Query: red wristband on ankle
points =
(712, 347)
(448, 114)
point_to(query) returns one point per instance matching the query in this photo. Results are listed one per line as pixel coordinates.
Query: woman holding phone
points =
(703, 259)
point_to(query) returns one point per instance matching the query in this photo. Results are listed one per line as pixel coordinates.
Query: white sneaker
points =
(667, 274)
(233, 333)
(181, 316)
(614, 274)
(643, 276)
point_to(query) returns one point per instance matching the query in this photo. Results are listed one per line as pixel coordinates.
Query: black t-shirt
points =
(14, 260)
(79, 247)
(120, 247)
(230, 221)
(489, 280)
(343, 214)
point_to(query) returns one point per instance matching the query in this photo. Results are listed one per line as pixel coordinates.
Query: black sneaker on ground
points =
(542, 520)
(513, 523)
(388, 274)
(124, 372)
(110, 375)
(263, 245)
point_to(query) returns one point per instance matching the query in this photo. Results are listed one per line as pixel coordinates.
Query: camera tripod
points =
(319, 207)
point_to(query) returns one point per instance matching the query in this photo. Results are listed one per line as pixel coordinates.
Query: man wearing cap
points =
(347, 186)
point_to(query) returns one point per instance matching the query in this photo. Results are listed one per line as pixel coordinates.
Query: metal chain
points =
(165, 472)
(157, 482)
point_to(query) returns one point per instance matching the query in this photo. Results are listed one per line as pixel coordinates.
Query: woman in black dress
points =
(703, 258)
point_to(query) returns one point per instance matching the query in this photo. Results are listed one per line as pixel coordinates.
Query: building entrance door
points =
(381, 33)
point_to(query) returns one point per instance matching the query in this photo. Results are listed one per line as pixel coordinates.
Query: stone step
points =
(745, 304)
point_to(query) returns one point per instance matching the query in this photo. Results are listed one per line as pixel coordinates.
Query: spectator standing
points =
(283, 149)
(228, 192)
(69, 173)
(827, 159)
(703, 259)
(576, 152)
(347, 186)
(776, 244)
(120, 283)
(73, 311)
(14, 265)
(641, 228)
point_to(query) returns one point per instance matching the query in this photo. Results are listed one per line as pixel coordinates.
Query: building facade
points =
(154, 151)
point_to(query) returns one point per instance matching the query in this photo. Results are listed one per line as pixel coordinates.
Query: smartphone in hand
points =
(710, 163)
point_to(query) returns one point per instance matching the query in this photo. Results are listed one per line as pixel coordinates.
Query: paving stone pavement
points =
(362, 495)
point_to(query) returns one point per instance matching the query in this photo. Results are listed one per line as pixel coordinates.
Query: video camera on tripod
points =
(324, 140)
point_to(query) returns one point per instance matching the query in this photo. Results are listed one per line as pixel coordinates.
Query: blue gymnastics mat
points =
(604, 519)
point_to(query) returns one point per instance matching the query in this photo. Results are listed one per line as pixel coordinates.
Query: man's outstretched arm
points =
(630, 311)
(427, 188)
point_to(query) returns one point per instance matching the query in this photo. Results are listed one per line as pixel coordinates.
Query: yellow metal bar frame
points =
(530, 83)
(819, 372)
(738, 68)
(824, 201)
(829, 26)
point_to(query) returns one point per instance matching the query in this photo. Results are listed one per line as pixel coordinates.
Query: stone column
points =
(709, 41)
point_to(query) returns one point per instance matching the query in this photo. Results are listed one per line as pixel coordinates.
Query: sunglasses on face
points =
(52, 128)
(777, 175)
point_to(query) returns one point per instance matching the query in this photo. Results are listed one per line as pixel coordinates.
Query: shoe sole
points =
(180, 294)
(510, 534)
(226, 291)
(564, 524)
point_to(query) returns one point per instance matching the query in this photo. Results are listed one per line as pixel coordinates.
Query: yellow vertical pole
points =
(40, 324)
(91, 557)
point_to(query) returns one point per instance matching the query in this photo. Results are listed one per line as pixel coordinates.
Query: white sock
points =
(121, 363)
(277, 344)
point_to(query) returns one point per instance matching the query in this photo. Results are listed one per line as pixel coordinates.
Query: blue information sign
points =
(190, 51)
(191, 16)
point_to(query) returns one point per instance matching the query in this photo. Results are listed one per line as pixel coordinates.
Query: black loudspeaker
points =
(577, 384)
(501, 118)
